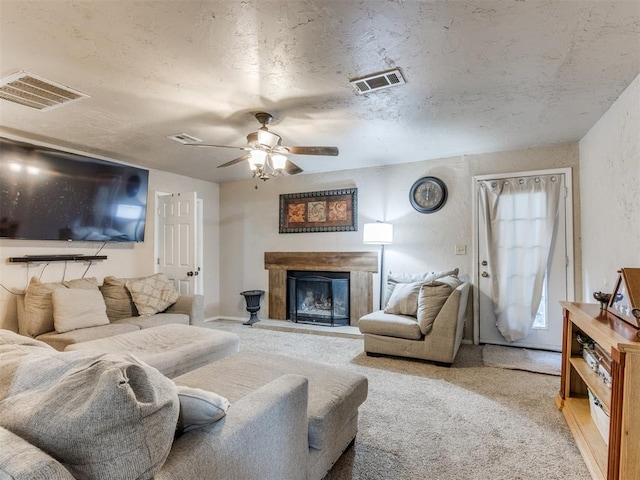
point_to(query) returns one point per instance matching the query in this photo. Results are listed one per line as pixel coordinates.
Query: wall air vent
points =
(378, 81)
(36, 92)
(184, 138)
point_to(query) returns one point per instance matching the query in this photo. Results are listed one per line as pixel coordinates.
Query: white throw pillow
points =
(404, 299)
(152, 294)
(75, 308)
(199, 407)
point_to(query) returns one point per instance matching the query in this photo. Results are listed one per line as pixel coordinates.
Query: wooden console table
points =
(620, 460)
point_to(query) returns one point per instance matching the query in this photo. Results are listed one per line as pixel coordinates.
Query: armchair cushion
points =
(390, 325)
(430, 301)
(404, 299)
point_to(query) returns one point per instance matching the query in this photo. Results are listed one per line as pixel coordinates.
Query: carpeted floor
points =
(422, 421)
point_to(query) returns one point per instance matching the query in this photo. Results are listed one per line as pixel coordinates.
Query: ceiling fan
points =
(266, 155)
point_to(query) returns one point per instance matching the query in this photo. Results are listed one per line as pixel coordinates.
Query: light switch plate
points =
(461, 249)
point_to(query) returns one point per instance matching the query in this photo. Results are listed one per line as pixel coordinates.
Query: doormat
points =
(537, 361)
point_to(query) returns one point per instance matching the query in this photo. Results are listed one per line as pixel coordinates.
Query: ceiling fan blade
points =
(236, 160)
(291, 168)
(211, 145)
(330, 151)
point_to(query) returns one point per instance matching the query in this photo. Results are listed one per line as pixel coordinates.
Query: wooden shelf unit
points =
(620, 460)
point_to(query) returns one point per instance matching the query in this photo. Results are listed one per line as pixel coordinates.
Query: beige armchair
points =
(402, 335)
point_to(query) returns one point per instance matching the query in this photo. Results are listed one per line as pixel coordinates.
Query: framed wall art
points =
(326, 211)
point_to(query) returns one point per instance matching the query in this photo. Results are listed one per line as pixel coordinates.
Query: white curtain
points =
(521, 216)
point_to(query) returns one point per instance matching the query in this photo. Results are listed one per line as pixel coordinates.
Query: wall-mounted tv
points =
(48, 194)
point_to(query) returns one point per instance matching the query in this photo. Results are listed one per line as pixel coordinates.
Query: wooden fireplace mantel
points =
(360, 265)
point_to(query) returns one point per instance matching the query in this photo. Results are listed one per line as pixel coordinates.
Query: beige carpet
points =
(421, 421)
(538, 361)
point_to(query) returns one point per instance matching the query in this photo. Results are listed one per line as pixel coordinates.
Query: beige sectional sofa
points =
(88, 414)
(81, 414)
(424, 317)
(80, 310)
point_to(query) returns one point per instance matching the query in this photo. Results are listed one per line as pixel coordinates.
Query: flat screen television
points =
(48, 194)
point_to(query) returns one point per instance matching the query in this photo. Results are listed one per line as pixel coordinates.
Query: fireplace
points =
(318, 297)
(359, 265)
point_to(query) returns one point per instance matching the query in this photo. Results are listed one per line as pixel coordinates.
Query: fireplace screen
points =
(318, 298)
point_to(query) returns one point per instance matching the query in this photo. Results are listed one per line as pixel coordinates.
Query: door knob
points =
(189, 274)
(485, 274)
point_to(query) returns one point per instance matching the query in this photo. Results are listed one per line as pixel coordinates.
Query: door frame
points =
(568, 202)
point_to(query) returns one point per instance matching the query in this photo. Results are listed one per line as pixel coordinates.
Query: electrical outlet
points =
(461, 249)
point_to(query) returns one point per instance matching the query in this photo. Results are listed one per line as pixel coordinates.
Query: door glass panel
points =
(541, 321)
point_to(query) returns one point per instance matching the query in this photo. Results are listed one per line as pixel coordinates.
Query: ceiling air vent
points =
(378, 81)
(36, 92)
(184, 138)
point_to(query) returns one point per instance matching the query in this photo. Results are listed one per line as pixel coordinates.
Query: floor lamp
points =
(378, 233)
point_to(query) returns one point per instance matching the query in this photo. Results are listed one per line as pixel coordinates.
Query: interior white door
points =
(178, 241)
(546, 333)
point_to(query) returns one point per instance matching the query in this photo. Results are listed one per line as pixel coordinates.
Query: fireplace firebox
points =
(321, 298)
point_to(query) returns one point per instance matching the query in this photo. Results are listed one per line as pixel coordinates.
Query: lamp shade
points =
(378, 233)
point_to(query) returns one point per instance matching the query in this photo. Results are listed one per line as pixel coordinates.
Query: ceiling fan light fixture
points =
(278, 161)
(257, 158)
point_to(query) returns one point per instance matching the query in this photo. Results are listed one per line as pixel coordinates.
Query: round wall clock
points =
(428, 194)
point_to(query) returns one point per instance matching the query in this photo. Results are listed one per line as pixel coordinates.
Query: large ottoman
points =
(332, 409)
(173, 349)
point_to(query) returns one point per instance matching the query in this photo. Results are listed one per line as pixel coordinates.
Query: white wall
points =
(610, 193)
(249, 217)
(124, 260)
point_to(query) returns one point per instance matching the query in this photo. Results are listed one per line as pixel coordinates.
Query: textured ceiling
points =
(481, 76)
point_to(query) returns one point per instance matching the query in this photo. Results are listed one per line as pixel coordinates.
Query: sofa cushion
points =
(390, 325)
(199, 407)
(37, 315)
(117, 298)
(172, 349)
(334, 394)
(101, 416)
(60, 340)
(21, 460)
(90, 283)
(155, 320)
(152, 294)
(78, 308)
(404, 299)
(430, 301)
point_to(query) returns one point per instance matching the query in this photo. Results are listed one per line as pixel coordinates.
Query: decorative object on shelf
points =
(252, 299)
(625, 299)
(325, 211)
(428, 194)
(378, 233)
(603, 298)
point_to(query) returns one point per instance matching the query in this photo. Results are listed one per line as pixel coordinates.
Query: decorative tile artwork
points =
(326, 211)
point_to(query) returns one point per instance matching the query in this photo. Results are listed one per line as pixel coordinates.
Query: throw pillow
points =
(404, 299)
(199, 407)
(430, 301)
(152, 294)
(117, 298)
(102, 416)
(78, 308)
(38, 308)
